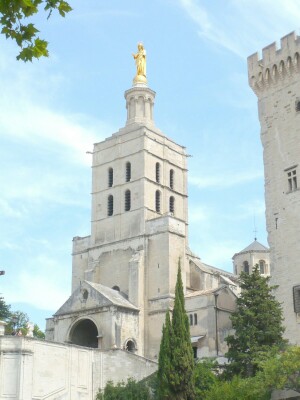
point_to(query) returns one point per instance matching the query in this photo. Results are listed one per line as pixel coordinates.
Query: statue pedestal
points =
(139, 104)
(140, 80)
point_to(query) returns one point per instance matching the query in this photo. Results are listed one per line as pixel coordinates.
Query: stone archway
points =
(84, 333)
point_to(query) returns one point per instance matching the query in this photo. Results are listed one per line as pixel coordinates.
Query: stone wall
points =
(275, 80)
(32, 369)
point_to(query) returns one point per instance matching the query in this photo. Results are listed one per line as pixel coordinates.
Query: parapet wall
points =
(33, 369)
(276, 65)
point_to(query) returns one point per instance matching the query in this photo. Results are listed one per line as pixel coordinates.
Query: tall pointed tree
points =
(257, 323)
(164, 361)
(176, 363)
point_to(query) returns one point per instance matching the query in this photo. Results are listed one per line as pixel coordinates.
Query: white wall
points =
(32, 369)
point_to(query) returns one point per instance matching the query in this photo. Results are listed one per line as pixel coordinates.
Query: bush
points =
(131, 390)
(237, 389)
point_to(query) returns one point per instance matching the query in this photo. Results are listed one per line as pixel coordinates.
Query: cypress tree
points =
(164, 361)
(176, 362)
(181, 379)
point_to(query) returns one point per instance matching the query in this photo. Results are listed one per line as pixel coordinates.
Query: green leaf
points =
(28, 3)
(64, 8)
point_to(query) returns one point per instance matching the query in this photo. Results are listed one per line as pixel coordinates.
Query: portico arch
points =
(84, 333)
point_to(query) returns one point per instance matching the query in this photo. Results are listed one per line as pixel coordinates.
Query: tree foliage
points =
(282, 371)
(17, 321)
(205, 377)
(4, 310)
(176, 363)
(164, 360)
(14, 19)
(131, 390)
(277, 371)
(237, 389)
(257, 323)
(37, 333)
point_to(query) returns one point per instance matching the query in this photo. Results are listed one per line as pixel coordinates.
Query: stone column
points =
(139, 104)
(2, 328)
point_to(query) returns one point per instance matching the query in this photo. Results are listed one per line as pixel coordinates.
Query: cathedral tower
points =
(138, 234)
(275, 79)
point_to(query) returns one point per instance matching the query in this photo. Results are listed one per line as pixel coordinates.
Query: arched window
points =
(110, 205)
(246, 267)
(172, 204)
(157, 201)
(157, 172)
(262, 267)
(172, 178)
(110, 177)
(128, 172)
(127, 200)
(116, 288)
(130, 346)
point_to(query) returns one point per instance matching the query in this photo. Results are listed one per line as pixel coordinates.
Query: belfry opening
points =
(85, 333)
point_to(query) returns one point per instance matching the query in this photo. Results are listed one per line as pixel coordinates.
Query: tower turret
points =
(275, 79)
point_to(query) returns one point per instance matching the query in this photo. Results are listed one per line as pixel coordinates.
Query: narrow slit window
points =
(292, 180)
(172, 204)
(246, 267)
(195, 319)
(296, 295)
(191, 319)
(262, 267)
(110, 205)
(157, 201)
(110, 177)
(127, 200)
(157, 172)
(172, 178)
(128, 172)
(297, 105)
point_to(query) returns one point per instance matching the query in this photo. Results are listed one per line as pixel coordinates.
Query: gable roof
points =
(114, 296)
(207, 292)
(99, 296)
(210, 269)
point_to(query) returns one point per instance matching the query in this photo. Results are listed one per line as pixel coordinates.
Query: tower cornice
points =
(277, 66)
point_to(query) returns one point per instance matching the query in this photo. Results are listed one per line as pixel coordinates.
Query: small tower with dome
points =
(246, 259)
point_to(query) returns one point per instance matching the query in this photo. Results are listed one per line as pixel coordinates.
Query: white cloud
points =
(28, 113)
(199, 213)
(225, 181)
(239, 29)
(31, 120)
(7, 210)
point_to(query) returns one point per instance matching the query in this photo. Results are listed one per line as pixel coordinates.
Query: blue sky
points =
(53, 110)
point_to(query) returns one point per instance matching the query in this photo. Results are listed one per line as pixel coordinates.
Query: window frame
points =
(158, 201)
(110, 182)
(171, 178)
(157, 172)
(172, 204)
(110, 205)
(128, 171)
(127, 200)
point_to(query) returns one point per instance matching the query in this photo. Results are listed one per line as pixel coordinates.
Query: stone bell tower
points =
(275, 79)
(139, 217)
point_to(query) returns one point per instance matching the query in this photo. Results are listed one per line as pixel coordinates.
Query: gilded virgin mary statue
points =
(140, 62)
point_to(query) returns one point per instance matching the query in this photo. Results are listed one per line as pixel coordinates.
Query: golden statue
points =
(140, 62)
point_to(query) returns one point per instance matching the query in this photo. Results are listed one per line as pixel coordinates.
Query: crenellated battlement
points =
(276, 65)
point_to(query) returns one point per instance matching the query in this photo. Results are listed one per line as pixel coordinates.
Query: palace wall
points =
(32, 369)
